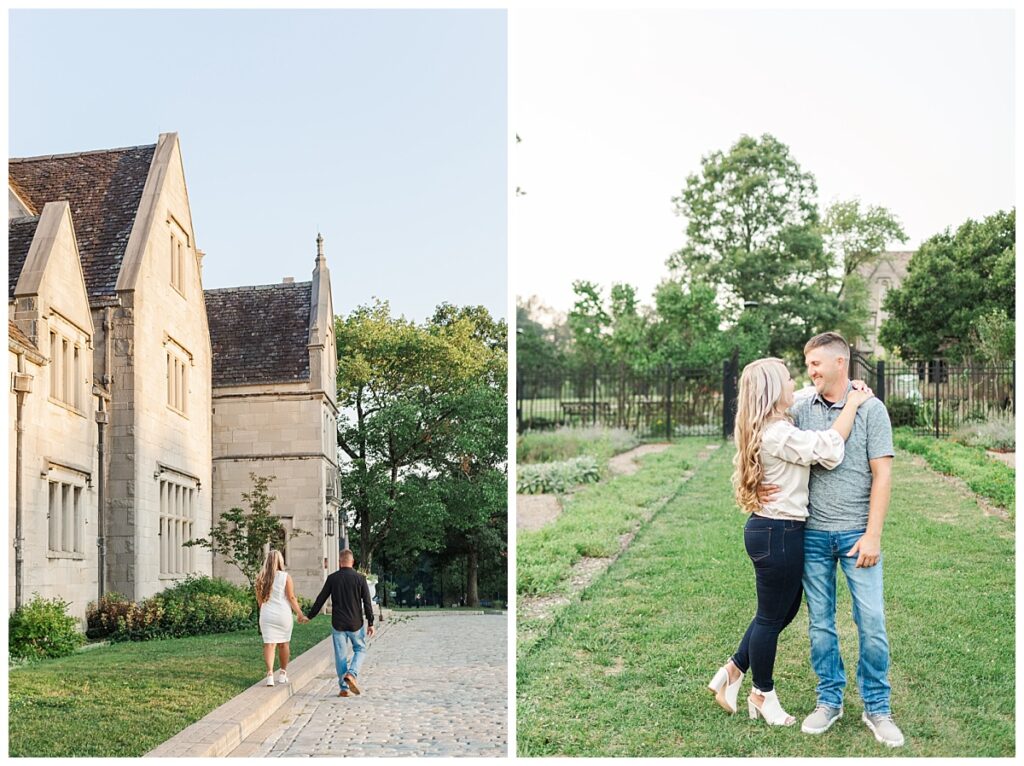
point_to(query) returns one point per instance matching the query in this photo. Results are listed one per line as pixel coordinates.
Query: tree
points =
(588, 322)
(854, 239)
(954, 281)
(753, 234)
(540, 349)
(401, 389)
(242, 537)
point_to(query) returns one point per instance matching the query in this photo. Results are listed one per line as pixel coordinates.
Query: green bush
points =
(193, 607)
(42, 628)
(541, 478)
(903, 412)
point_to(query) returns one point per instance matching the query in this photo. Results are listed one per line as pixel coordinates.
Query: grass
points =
(983, 474)
(127, 698)
(594, 517)
(622, 671)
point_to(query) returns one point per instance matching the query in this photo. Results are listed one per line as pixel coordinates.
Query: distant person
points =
(275, 594)
(770, 448)
(350, 601)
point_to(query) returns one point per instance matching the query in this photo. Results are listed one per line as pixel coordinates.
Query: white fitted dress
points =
(276, 613)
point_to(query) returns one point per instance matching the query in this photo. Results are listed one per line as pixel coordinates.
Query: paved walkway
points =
(432, 685)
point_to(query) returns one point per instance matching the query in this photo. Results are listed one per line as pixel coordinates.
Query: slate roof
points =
(259, 333)
(103, 189)
(20, 232)
(15, 334)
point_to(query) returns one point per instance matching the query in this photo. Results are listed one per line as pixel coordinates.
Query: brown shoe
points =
(343, 693)
(351, 681)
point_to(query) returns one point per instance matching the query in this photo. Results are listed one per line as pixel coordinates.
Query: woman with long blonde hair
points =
(770, 449)
(275, 593)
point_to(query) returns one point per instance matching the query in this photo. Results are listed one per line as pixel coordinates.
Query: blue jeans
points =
(821, 552)
(341, 640)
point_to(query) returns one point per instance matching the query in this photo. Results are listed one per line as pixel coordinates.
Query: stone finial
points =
(319, 246)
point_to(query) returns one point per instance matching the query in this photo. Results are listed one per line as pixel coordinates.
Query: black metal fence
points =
(664, 402)
(933, 397)
(937, 397)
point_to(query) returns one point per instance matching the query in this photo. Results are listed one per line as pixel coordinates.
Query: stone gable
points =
(104, 189)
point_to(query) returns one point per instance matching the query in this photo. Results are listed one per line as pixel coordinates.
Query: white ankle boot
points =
(725, 692)
(770, 710)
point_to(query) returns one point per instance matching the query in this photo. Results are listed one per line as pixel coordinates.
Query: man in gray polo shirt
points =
(847, 507)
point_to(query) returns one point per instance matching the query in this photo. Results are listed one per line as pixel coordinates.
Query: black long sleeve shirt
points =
(346, 588)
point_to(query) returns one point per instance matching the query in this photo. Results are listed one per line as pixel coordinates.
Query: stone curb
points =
(223, 729)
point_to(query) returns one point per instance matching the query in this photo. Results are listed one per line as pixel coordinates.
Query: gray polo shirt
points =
(839, 499)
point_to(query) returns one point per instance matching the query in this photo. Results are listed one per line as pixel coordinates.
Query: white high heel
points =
(771, 709)
(725, 692)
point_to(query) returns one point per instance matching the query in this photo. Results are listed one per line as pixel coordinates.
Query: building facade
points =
(274, 412)
(112, 383)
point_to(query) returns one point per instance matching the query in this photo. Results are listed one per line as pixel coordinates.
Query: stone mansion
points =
(140, 403)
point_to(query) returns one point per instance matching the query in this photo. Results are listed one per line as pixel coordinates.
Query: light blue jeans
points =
(341, 639)
(821, 552)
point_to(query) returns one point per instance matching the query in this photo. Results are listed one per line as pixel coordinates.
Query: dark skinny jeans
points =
(776, 548)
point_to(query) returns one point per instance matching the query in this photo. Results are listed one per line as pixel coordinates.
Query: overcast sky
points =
(384, 130)
(910, 110)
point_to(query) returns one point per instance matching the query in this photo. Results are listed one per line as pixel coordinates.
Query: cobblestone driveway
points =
(432, 685)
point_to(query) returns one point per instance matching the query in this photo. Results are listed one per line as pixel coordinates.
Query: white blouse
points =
(787, 454)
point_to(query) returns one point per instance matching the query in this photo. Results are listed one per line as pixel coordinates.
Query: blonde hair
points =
(762, 384)
(265, 579)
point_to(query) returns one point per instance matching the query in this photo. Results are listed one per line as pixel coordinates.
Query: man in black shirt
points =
(348, 591)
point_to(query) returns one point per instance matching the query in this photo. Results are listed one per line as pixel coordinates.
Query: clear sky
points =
(384, 130)
(911, 110)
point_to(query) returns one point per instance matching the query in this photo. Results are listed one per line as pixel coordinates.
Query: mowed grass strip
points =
(981, 472)
(127, 698)
(593, 518)
(622, 672)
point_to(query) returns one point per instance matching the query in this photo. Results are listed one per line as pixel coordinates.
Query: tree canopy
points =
(959, 286)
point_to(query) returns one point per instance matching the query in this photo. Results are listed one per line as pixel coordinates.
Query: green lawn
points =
(622, 671)
(127, 698)
(982, 473)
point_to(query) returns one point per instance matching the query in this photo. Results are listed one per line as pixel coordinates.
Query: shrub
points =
(42, 628)
(566, 442)
(903, 412)
(558, 477)
(995, 433)
(195, 606)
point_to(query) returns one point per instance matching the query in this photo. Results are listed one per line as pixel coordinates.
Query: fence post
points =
(593, 399)
(519, 402)
(668, 404)
(934, 369)
(880, 381)
(729, 374)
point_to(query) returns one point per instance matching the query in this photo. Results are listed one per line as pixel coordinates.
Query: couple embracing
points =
(814, 473)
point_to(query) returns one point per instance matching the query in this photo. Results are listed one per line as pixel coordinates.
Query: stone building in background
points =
(274, 412)
(112, 381)
(882, 275)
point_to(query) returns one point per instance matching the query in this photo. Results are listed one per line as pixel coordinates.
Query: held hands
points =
(301, 619)
(868, 549)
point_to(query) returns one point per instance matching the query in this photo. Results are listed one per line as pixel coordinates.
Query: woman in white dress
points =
(275, 594)
(770, 449)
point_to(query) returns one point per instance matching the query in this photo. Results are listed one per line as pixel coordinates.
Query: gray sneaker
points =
(821, 719)
(884, 728)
